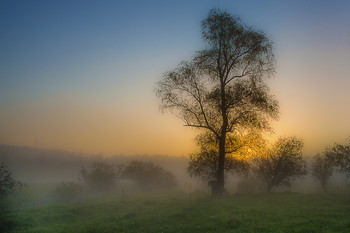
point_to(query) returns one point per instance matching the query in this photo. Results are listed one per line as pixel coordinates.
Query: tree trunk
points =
(218, 190)
(220, 176)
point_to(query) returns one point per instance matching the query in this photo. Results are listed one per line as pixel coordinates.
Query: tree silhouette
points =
(282, 163)
(148, 176)
(341, 156)
(7, 183)
(101, 176)
(322, 168)
(222, 90)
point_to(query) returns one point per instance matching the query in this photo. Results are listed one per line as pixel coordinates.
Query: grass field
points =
(287, 212)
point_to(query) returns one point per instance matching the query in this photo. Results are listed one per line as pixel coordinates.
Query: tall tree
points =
(222, 90)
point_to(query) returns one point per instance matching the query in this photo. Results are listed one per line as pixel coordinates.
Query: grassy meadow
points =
(278, 212)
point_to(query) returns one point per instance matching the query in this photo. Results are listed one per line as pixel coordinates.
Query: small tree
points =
(322, 168)
(341, 155)
(149, 176)
(7, 183)
(281, 163)
(101, 176)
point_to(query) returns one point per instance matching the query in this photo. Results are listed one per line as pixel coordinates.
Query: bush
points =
(68, 192)
(101, 176)
(7, 183)
(149, 176)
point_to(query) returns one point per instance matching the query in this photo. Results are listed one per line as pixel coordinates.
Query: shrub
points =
(7, 183)
(149, 176)
(101, 176)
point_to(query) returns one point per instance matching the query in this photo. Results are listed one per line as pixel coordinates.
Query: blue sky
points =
(60, 59)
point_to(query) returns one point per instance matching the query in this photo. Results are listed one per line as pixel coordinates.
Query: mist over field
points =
(55, 196)
(50, 167)
(46, 165)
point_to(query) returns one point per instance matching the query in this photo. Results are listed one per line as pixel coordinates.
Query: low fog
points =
(46, 176)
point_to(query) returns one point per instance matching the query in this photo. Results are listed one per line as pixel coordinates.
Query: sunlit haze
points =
(80, 75)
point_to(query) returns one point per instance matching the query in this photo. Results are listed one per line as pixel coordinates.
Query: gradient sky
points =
(79, 75)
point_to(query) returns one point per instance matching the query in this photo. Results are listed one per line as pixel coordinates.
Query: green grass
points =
(181, 213)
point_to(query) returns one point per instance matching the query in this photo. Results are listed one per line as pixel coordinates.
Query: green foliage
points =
(149, 176)
(282, 163)
(68, 192)
(101, 176)
(288, 213)
(7, 183)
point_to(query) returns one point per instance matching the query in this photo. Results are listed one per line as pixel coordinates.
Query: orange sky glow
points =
(94, 94)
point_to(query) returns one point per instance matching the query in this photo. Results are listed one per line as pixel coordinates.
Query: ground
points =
(279, 212)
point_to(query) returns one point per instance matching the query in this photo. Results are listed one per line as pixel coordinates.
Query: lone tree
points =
(282, 163)
(323, 167)
(222, 90)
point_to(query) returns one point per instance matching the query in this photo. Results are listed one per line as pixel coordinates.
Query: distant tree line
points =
(250, 156)
(269, 166)
(103, 177)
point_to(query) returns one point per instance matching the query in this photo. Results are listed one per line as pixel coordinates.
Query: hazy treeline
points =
(44, 166)
(57, 175)
(34, 165)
